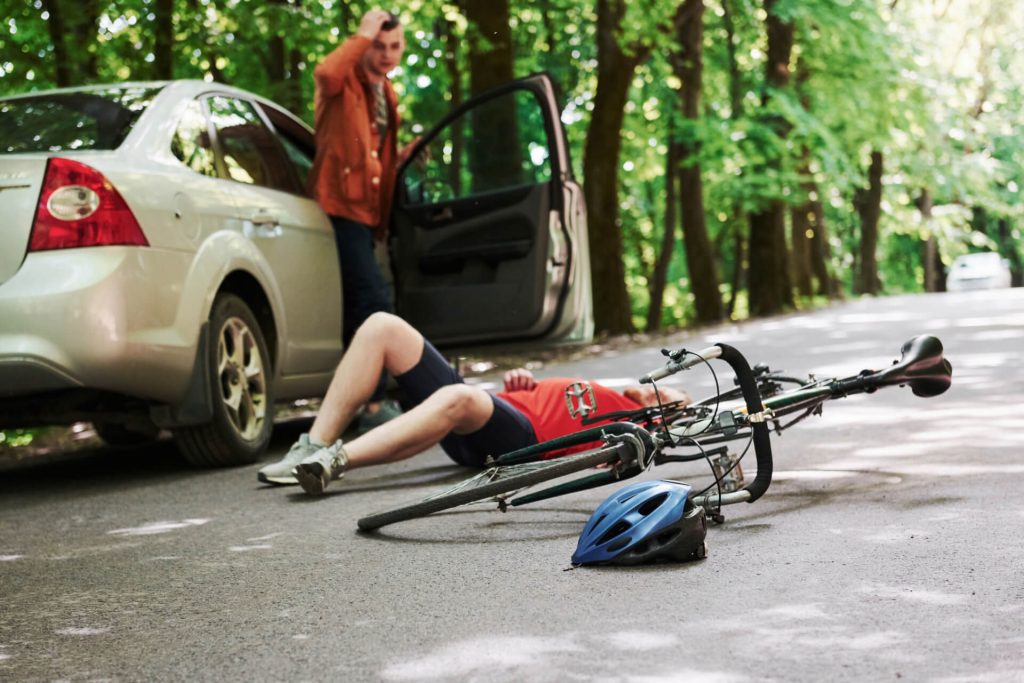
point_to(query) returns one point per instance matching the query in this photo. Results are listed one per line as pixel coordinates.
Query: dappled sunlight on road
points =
(912, 594)
(81, 631)
(804, 625)
(157, 527)
(481, 656)
(550, 658)
(824, 475)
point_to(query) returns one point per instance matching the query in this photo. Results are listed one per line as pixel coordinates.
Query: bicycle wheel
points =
(493, 482)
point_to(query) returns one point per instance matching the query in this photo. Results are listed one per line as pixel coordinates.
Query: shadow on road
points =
(107, 467)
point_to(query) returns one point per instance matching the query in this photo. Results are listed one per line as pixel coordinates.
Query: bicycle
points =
(633, 441)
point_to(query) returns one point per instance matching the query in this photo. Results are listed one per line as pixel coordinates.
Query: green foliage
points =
(936, 87)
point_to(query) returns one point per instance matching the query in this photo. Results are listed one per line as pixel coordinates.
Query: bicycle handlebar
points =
(687, 361)
(751, 396)
(757, 418)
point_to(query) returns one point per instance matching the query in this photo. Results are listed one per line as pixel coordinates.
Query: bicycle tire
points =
(559, 467)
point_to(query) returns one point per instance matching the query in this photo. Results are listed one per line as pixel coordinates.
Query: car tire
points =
(241, 390)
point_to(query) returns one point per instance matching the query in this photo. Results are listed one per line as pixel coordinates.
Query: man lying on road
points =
(468, 422)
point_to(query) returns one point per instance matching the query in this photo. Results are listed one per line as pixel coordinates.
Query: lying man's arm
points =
(520, 379)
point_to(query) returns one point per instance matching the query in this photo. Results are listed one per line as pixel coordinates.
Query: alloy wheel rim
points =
(243, 383)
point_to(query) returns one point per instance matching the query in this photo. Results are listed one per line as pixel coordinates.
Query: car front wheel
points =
(241, 389)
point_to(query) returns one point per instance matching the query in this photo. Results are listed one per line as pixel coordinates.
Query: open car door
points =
(488, 234)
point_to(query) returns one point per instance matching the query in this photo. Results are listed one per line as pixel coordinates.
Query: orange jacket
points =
(349, 178)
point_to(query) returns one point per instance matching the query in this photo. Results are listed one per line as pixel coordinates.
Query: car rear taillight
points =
(79, 207)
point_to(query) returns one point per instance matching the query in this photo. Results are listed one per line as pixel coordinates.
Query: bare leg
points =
(384, 341)
(455, 408)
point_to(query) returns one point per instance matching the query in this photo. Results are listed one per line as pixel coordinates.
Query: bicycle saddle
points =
(921, 366)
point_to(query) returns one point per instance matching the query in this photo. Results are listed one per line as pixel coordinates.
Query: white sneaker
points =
(316, 471)
(280, 473)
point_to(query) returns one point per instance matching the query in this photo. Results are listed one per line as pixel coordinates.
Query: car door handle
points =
(444, 214)
(262, 224)
(263, 218)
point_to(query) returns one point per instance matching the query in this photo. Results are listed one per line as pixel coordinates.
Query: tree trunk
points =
(615, 69)
(739, 271)
(821, 252)
(1008, 247)
(668, 238)
(868, 202)
(800, 239)
(801, 217)
(346, 18)
(700, 261)
(770, 289)
(295, 61)
(494, 138)
(931, 263)
(451, 63)
(282, 62)
(163, 40)
(82, 24)
(490, 45)
(56, 26)
(735, 75)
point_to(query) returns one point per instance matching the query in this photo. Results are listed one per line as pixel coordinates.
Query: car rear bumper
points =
(972, 284)
(99, 318)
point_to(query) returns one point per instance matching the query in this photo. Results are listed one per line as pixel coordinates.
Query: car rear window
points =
(88, 119)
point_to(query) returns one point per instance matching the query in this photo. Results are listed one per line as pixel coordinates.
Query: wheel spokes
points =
(241, 376)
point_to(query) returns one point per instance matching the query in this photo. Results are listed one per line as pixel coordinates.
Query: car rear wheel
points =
(241, 389)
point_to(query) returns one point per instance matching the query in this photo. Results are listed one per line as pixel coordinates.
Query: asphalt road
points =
(888, 547)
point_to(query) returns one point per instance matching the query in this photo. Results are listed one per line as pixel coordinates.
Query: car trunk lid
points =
(21, 177)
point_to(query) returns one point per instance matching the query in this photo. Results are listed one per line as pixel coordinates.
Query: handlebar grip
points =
(761, 436)
(661, 373)
(688, 361)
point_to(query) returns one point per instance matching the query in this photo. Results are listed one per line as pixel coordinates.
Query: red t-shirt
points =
(544, 406)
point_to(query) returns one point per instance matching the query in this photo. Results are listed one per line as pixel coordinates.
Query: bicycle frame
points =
(924, 370)
(620, 448)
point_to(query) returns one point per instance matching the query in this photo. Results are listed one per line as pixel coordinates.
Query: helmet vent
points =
(618, 545)
(593, 524)
(640, 548)
(617, 528)
(653, 504)
(669, 535)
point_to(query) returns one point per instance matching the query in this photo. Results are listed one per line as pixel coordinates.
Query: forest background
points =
(739, 157)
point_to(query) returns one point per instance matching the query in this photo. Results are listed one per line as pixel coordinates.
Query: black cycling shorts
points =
(507, 429)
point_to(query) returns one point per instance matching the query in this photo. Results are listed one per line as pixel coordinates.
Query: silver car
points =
(161, 265)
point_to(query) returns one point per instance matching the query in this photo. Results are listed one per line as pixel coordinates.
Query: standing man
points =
(353, 175)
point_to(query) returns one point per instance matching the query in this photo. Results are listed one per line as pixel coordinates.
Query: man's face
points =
(385, 53)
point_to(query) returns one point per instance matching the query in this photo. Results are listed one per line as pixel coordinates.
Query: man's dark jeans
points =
(365, 291)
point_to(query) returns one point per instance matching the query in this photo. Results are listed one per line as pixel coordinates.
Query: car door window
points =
(497, 145)
(249, 150)
(191, 141)
(296, 140)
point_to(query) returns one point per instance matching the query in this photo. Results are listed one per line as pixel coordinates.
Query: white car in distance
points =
(984, 270)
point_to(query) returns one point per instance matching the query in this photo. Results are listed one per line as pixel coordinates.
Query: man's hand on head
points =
(372, 22)
(519, 379)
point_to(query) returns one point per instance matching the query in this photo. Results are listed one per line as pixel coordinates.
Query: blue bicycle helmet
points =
(643, 522)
